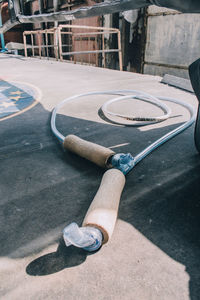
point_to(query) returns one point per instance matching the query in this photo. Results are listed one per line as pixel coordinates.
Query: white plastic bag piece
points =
(87, 237)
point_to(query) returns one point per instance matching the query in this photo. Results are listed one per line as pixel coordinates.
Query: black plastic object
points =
(185, 6)
(194, 72)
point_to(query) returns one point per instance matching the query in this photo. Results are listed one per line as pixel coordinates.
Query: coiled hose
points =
(141, 96)
(97, 225)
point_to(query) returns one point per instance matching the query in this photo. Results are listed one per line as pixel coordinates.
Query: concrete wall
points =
(173, 41)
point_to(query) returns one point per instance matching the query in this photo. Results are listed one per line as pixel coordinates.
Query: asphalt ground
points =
(155, 249)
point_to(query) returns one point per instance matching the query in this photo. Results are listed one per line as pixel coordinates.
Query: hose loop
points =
(133, 94)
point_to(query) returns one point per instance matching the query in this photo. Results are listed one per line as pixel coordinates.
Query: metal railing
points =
(39, 40)
(83, 44)
(97, 35)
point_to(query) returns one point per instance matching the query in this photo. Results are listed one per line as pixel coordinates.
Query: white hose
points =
(143, 97)
(133, 94)
(90, 238)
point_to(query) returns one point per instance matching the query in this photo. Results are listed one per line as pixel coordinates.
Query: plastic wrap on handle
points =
(88, 238)
(103, 210)
(91, 151)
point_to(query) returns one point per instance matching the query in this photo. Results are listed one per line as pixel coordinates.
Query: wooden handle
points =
(103, 210)
(91, 151)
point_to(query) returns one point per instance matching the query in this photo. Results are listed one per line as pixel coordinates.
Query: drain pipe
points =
(3, 49)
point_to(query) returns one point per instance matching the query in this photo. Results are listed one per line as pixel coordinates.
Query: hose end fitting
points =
(123, 162)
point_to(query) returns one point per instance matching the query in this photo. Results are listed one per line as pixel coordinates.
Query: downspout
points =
(3, 49)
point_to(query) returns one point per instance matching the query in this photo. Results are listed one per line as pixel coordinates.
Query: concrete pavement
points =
(154, 252)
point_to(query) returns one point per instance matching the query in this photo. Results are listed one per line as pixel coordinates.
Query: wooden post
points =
(32, 45)
(81, 42)
(74, 58)
(55, 41)
(60, 43)
(39, 42)
(43, 43)
(46, 42)
(103, 48)
(25, 48)
(120, 51)
(96, 47)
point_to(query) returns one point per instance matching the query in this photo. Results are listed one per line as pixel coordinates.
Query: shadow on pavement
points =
(64, 257)
(43, 188)
(169, 216)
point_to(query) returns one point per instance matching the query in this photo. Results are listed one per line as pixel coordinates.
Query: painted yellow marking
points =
(20, 112)
(16, 93)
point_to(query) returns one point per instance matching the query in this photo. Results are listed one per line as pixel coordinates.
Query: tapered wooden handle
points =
(103, 210)
(91, 151)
